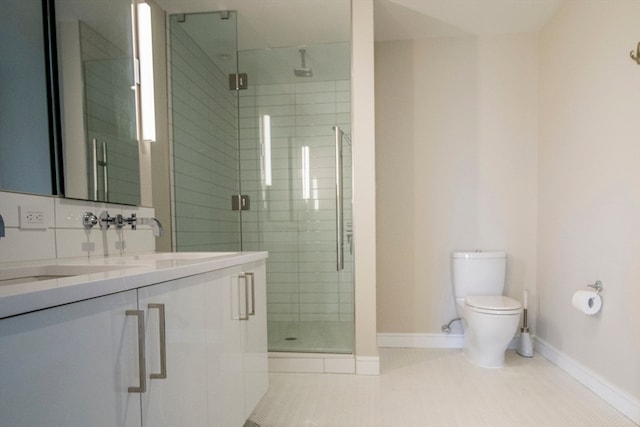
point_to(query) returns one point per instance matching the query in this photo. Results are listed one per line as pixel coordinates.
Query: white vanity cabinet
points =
(71, 365)
(236, 343)
(254, 331)
(203, 360)
(175, 353)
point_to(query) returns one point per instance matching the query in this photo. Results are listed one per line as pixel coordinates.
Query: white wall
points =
(456, 169)
(589, 186)
(63, 235)
(528, 143)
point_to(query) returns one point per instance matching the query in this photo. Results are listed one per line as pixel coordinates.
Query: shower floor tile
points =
(311, 337)
(436, 388)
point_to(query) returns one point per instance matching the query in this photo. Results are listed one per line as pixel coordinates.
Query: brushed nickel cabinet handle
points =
(141, 356)
(163, 342)
(253, 293)
(245, 316)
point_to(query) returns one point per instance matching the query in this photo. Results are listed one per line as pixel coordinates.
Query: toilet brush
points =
(525, 346)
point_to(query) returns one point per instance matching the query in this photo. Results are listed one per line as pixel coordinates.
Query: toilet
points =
(490, 319)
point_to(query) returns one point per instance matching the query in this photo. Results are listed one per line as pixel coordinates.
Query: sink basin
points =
(17, 275)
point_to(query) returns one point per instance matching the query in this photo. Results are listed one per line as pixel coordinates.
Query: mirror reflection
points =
(98, 100)
(25, 149)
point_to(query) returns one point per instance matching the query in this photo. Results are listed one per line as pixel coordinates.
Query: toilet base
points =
(484, 359)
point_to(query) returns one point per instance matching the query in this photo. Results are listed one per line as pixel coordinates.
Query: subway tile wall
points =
(62, 234)
(205, 151)
(294, 218)
(298, 230)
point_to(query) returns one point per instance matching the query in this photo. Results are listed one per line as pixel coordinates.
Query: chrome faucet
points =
(105, 220)
(156, 227)
(2, 234)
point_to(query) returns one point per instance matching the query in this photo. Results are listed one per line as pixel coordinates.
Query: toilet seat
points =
(493, 304)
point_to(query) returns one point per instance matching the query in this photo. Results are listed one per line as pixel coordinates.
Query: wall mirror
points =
(98, 100)
(27, 131)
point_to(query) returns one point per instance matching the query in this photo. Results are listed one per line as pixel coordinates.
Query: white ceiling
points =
(282, 27)
(415, 19)
(277, 23)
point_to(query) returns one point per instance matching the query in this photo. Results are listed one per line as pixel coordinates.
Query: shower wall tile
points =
(316, 87)
(275, 89)
(303, 109)
(204, 117)
(290, 228)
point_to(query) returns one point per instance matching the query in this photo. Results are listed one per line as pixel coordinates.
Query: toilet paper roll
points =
(587, 302)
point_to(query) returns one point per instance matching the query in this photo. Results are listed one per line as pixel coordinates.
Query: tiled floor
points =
(436, 388)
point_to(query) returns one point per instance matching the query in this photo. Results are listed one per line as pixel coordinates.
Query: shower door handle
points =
(339, 205)
(94, 153)
(105, 171)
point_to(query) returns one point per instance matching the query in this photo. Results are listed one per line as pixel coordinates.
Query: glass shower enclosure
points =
(270, 126)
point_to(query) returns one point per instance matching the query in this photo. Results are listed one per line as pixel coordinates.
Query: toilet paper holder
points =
(597, 286)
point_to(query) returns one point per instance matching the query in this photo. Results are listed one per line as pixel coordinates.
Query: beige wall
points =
(364, 192)
(589, 186)
(528, 143)
(456, 132)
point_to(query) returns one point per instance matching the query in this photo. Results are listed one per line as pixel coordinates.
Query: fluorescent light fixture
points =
(266, 141)
(145, 53)
(305, 173)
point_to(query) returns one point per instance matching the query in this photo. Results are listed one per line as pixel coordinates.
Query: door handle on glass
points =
(339, 205)
(141, 356)
(163, 342)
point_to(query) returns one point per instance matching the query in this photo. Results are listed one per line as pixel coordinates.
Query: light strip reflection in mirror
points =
(147, 95)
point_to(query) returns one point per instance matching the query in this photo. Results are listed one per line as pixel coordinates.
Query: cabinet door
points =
(225, 295)
(179, 399)
(256, 361)
(71, 366)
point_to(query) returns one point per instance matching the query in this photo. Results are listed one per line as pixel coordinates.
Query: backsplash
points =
(55, 229)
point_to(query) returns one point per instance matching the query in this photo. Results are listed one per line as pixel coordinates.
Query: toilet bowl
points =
(490, 319)
(490, 322)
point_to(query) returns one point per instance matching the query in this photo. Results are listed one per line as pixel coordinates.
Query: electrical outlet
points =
(33, 217)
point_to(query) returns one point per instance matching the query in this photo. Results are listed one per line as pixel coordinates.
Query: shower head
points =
(303, 71)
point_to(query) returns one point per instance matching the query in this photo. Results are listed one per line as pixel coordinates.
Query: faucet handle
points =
(132, 221)
(89, 220)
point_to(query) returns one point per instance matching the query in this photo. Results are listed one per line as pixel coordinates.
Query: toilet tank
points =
(478, 273)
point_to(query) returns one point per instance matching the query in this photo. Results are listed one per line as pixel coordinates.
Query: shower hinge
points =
(238, 81)
(240, 202)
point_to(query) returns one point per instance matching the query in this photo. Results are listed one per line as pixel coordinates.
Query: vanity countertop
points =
(49, 283)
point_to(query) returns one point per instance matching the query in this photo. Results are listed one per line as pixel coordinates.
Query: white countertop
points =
(124, 273)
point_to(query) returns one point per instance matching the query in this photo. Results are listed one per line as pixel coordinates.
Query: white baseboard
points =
(367, 365)
(427, 341)
(617, 398)
(421, 340)
(323, 363)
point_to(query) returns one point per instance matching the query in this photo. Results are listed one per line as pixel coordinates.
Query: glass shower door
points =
(288, 168)
(274, 142)
(205, 131)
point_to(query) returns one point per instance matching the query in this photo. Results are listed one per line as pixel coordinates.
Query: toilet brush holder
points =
(525, 345)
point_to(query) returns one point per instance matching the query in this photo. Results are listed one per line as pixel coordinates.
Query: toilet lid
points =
(496, 304)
